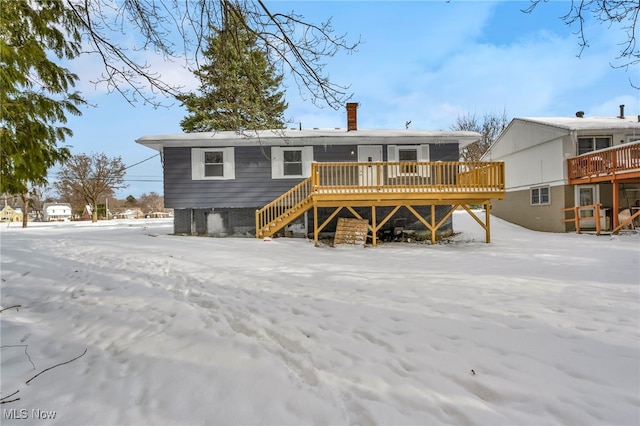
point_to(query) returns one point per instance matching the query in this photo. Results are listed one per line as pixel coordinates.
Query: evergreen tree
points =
(35, 93)
(239, 86)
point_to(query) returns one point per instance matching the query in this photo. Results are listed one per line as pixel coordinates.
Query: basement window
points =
(540, 196)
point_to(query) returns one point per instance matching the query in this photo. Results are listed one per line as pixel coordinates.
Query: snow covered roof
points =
(55, 205)
(586, 123)
(296, 137)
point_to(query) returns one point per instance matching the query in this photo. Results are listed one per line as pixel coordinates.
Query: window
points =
(540, 195)
(291, 162)
(212, 163)
(588, 144)
(409, 154)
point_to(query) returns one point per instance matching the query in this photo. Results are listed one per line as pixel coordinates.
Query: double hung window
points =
(540, 195)
(212, 163)
(291, 162)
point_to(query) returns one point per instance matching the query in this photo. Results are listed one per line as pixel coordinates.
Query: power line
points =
(140, 162)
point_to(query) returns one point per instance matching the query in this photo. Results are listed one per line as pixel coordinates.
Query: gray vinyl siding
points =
(444, 152)
(253, 186)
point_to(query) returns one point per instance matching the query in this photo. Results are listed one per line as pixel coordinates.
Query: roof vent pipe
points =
(580, 114)
(352, 116)
(621, 111)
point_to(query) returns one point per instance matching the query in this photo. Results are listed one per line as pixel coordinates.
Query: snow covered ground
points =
(532, 329)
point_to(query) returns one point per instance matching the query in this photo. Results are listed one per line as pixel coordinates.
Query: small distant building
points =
(130, 214)
(11, 214)
(157, 215)
(56, 212)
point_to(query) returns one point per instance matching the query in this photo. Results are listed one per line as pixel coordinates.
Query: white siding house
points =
(542, 180)
(56, 212)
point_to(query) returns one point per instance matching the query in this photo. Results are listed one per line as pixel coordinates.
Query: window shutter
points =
(197, 165)
(229, 163)
(423, 155)
(392, 155)
(307, 159)
(277, 160)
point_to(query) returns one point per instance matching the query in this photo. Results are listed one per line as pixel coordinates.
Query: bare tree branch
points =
(176, 30)
(25, 352)
(2, 400)
(607, 12)
(16, 307)
(57, 365)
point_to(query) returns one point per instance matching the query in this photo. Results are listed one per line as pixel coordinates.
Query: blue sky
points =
(424, 61)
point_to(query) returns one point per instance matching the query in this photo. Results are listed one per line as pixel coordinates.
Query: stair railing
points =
(281, 211)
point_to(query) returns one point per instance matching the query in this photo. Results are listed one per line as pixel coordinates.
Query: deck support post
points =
(315, 224)
(433, 224)
(374, 227)
(487, 221)
(616, 205)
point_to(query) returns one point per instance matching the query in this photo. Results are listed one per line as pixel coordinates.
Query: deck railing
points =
(423, 179)
(593, 215)
(282, 206)
(405, 176)
(607, 161)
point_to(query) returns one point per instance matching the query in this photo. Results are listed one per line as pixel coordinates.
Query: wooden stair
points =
(284, 209)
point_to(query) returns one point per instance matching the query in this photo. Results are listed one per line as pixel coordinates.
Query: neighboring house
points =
(130, 214)
(158, 215)
(11, 214)
(559, 166)
(56, 212)
(265, 183)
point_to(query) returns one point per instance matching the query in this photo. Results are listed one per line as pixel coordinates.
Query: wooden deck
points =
(390, 184)
(618, 165)
(606, 165)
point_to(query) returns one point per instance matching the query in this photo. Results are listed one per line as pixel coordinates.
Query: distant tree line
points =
(86, 181)
(490, 127)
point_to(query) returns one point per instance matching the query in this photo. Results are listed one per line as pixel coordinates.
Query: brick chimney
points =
(352, 116)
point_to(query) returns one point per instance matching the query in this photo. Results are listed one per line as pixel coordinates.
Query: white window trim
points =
(197, 164)
(422, 155)
(538, 188)
(277, 161)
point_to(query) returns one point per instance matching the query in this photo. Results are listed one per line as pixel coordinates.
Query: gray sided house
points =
(558, 169)
(215, 182)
